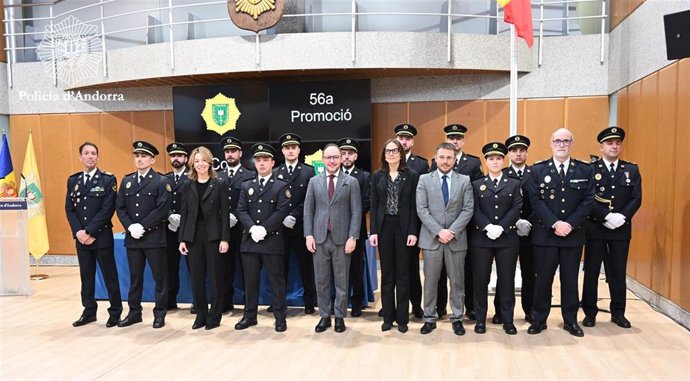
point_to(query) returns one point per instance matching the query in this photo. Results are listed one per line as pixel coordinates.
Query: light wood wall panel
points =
(680, 268)
(56, 139)
(620, 9)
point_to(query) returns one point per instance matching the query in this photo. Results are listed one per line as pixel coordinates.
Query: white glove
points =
(233, 220)
(136, 230)
(257, 232)
(523, 227)
(615, 219)
(289, 222)
(493, 231)
(172, 227)
(173, 222)
(608, 225)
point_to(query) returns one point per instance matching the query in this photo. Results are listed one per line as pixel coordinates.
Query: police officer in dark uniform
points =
(519, 170)
(561, 195)
(232, 176)
(178, 154)
(297, 176)
(349, 149)
(264, 204)
(618, 187)
(143, 204)
(90, 205)
(497, 205)
(405, 134)
(470, 165)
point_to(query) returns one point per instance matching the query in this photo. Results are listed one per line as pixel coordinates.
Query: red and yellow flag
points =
(519, 13)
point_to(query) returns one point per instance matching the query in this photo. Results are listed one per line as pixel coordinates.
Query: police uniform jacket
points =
(147, 203)
(297, 185)
(469, 165)
(500, 205)
(526, 212)
(268, 208)
(554, 200)
(91, 207)
(418, 164)
(178, 191)
(617, 193)
(364, 179)
(215, 208)
(234, 186)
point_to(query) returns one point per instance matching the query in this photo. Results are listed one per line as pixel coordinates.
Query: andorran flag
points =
(31, 189)
(8, 182)
(519, 13)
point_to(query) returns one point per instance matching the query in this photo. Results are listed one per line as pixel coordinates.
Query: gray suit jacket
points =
(435, 216)
(344, 211)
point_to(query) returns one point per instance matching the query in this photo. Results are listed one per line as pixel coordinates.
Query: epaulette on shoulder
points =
(75, 175)
(250, 179)
(629, 163)
(470, 155)
(582, 161)
(421, 158)
(129, 174)
(108, 174)
(280, 179)
(541, 162)
(168, 174)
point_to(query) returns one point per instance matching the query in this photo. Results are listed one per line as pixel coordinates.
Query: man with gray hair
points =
(561, 195)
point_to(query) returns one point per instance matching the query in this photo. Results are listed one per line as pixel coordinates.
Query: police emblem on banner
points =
(221, 114)
(255, 15)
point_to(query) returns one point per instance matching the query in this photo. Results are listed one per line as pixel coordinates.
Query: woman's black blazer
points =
(215, 206)
(407, 207)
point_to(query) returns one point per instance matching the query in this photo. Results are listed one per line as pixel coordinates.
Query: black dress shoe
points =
(83, 320)
(269, 309)
(573, 329)
(309, 310)
(129, 320)
(112, 321)
(402, 328)
(381, 312)
(228, 309)
(528, 318)
(459, 329)
(172, 306)
(427, 328)
(244, 324)
(281, 325)
(471, 315)
(621, 321)
(386, 327)
(356, 311)
(536, 328)
(497, 319)
(192, 310)
(323, 325)
(211, 326)
(480, 327)
(509, 328)
(198, 324)
(589, 321)
(339, 325)
(159, 322)
(418, 312)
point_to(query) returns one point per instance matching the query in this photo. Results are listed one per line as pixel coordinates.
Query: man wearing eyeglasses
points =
(561, 196)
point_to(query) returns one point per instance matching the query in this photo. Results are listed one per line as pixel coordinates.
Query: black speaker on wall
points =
(677, 28)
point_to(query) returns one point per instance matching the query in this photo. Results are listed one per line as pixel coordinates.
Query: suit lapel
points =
(454, 185)
(209, 188)
(338, 185)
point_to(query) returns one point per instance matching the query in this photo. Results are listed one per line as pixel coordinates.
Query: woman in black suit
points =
(497, 205)
(204, 234)
(394, 229)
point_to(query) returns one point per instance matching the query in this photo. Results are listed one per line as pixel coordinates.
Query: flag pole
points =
(513, 81)
(38, 275)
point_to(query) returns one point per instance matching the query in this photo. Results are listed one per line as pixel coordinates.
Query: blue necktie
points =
(444, 190)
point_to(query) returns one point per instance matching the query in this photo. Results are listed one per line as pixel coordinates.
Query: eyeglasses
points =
(391, 151)
(564, 142)
(331, 157)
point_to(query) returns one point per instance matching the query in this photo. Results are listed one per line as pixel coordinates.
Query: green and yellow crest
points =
(221, 114)
(316, 161)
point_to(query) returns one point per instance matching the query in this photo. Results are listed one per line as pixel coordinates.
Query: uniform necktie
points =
(519, 173)
(231, 173)
(177, 178)
(331, 187)
(444, 190)
(290, 170)
(347, 172)
(261, 182)
(141, 178)
(612, 169)
(561, 172)
(86, 178)
(495, 183)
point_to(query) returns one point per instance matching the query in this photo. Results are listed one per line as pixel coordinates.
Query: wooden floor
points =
(37, 341)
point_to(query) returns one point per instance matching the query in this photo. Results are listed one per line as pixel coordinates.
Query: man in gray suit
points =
(332, 218)
(445, 205)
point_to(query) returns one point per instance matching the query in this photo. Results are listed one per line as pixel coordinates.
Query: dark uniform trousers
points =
(90, 207)
(421, 166)
(147, 203)
(525, 253)
(294, 237)
(232, 259)
(356, 276)
(497, 205)
(173, 252)
(264, 206)
(553, 199)
(617, 192)
(471, 166)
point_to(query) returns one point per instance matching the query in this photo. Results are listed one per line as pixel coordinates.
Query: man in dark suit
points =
(470, 165)
(264, 204)
(618, 187)
(232, 177)
(349, 149)
(519, 170)
(405, 134)
(297, 176)
(143, 204)
(332, 219)
(90, 205)
(561, 195)
(178, 154)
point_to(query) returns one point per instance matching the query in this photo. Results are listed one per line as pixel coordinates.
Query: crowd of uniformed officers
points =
(463, 220)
